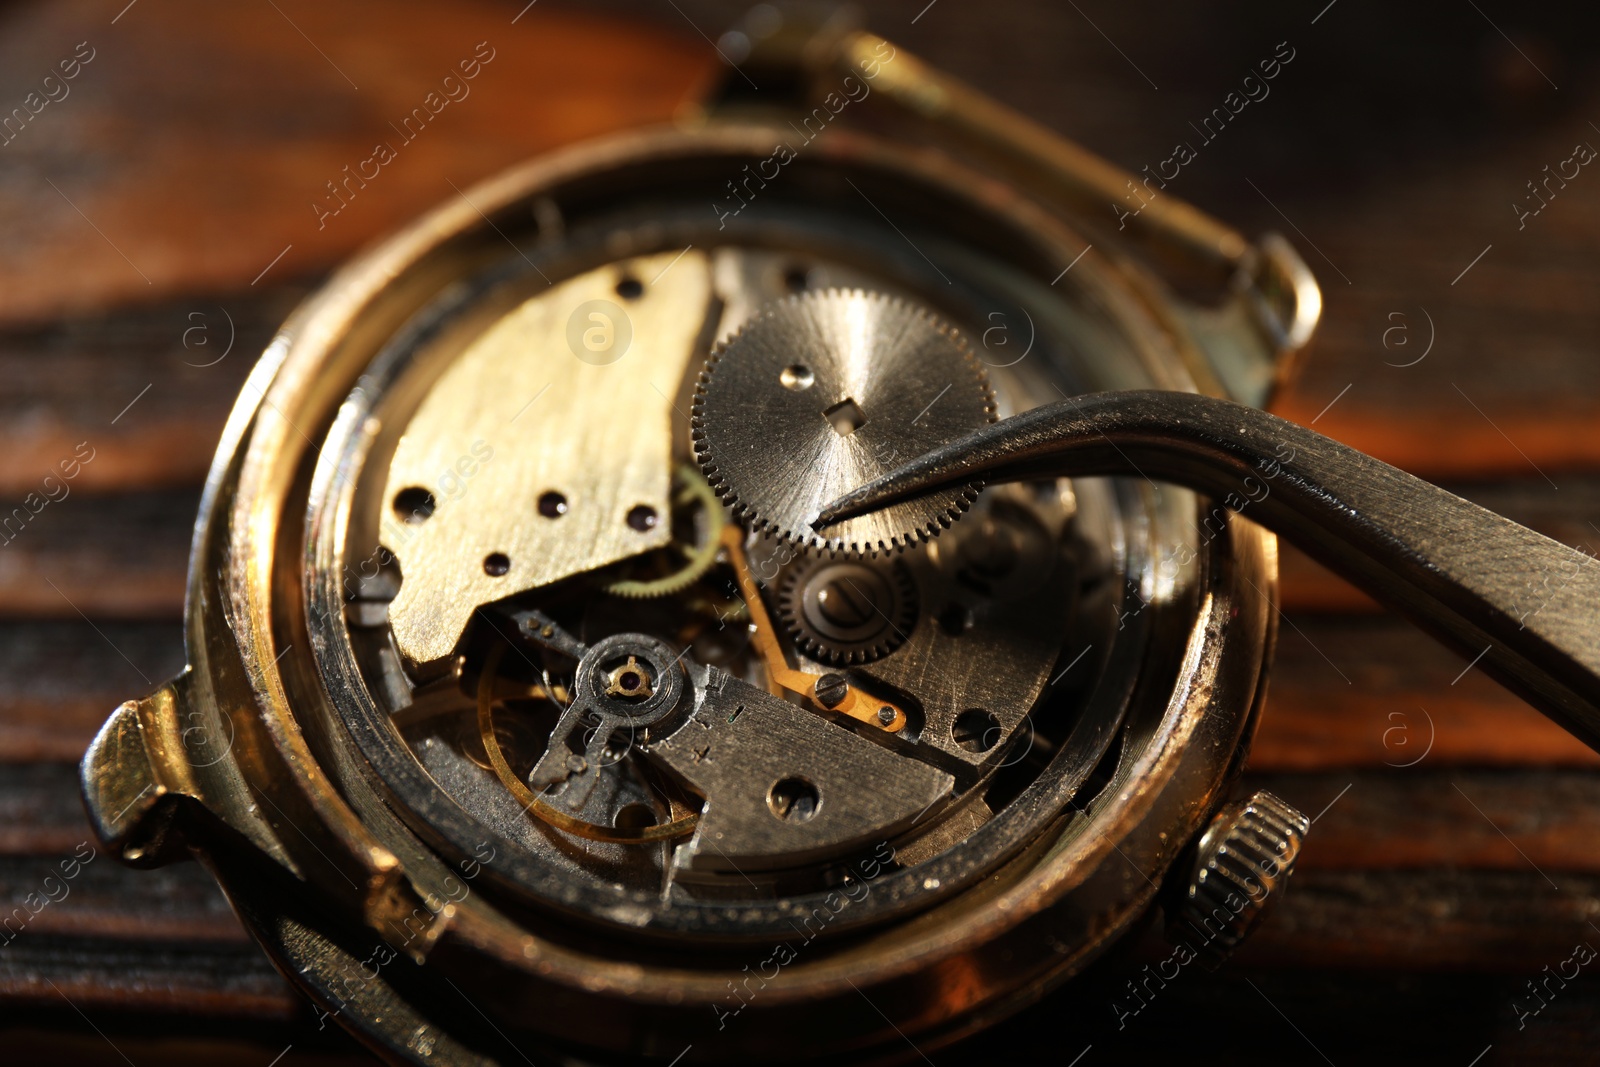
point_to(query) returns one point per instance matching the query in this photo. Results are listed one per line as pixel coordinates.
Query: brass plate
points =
(571, 394)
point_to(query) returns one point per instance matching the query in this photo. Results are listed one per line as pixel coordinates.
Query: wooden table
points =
(163, 206)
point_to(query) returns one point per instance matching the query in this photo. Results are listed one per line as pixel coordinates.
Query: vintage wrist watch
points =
(528, 716)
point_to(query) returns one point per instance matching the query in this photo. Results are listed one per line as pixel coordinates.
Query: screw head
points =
(849, 602)
(830, 690)
(886, 715)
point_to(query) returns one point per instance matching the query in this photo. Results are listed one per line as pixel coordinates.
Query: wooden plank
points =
(1513, 850)
(228, 980)
(1260, 1014)
(1514, 398)
(229, 1044)
(161, 189)
(1352, 905)
(41, 811)
(1373, 691)
(1509, 389)
(60, 679)
(1543, 821)
(143, 390)
(105, 900)
(1507, 922)
(226, 1045)
(57, 881)
(123, 556)
(1452, 828)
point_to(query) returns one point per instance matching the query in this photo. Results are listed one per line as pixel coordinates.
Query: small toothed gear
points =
(697, 528)
(822, 392)
(846, 612)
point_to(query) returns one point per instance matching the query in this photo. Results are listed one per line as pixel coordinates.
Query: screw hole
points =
(496, 564)
(552, 504)
(975, 730)
(846, 417)
(794, 800)
(642, 517)
(955, 619)
(797, 377)
(634, 817)
(414, 505)
(630, 288)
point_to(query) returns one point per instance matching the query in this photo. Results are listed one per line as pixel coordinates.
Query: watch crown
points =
(1242, 866)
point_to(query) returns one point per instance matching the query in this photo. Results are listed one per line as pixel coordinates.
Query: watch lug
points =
(1251, 341)
(783, 50)
(136, 775)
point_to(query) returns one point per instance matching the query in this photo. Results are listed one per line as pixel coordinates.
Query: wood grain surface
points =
(161, 214)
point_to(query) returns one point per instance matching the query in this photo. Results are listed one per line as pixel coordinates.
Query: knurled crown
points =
(1243, 863)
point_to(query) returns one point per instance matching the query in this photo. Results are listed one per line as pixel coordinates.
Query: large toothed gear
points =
(821, 393)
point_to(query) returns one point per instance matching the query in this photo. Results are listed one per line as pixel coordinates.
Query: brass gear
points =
(691, 497)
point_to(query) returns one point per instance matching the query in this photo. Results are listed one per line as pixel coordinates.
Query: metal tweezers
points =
(1523, 606)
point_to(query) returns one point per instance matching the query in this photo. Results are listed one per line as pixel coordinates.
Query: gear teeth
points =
(901, 616)
(807, 539)
(687, 494)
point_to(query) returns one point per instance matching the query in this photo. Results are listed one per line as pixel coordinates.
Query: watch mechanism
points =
(611, 634)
